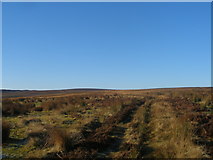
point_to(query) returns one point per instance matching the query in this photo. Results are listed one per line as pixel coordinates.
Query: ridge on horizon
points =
(62, 89)
(8, 93)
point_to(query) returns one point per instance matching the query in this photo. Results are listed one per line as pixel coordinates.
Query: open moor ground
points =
(155, 123)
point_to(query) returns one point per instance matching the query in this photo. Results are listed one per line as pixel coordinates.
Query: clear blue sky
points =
(106, 45)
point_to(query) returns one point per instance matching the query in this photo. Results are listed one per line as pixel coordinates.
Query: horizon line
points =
(93, 88)
(209, 1)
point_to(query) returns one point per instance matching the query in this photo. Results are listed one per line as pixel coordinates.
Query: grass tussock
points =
(58, 139)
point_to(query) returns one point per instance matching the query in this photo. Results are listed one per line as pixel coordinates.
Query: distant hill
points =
(6, 93)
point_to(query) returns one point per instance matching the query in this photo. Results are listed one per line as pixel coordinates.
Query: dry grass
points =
(57, 139)
(172, 137)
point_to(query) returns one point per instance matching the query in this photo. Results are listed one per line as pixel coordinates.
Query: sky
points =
(106, 45)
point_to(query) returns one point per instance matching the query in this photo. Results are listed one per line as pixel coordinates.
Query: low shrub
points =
(35, 120)
(10, 108)
(49, 105)
(38, 109)
(5, 131)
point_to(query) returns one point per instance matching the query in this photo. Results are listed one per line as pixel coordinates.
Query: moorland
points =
(84, 123)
